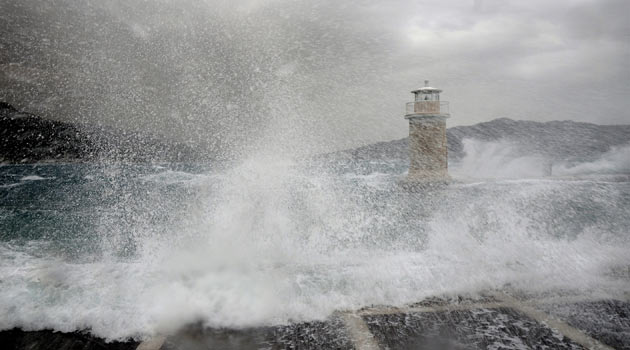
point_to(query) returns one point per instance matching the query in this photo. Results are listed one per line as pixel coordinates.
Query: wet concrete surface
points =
(500, 328)
(607, 320)
(312, 335)
(434, 323)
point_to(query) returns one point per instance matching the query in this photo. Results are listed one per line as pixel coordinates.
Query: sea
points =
(129, 250)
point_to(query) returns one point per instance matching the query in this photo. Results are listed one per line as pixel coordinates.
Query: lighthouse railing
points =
(427, 107)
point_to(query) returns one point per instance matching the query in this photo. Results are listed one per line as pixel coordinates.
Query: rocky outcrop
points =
(27, 138)
(51, 340)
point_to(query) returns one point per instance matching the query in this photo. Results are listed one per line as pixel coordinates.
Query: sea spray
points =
(271, 240)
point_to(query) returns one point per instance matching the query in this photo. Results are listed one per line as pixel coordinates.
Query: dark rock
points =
(26, 138)
(16, 339)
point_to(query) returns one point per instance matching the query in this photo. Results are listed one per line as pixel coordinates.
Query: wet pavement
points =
(313, 335)
(493, 321)
(608, 321)
(498, 328)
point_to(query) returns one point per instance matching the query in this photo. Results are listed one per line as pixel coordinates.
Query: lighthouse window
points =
(430, 97)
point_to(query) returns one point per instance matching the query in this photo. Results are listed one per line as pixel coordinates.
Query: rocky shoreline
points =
(27, 138)
(53, 340)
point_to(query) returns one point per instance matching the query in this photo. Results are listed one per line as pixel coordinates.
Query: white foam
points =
(497, 160)
(35, 178)
(615, 161)
(501, 160)
(275, 244)
(174, 177)
(11, 185)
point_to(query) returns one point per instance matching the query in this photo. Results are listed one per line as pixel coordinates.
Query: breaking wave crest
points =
(503, 159)
(271, 241)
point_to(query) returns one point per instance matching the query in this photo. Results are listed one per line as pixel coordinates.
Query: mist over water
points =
(214, 73)
(274, 236)
(141, 250)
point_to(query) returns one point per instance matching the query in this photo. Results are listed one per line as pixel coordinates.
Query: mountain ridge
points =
(555, 140)
(27, 138)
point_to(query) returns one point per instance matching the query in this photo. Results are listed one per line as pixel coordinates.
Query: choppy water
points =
(133, 250)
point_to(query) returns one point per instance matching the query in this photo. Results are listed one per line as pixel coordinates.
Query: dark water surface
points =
(134, 250)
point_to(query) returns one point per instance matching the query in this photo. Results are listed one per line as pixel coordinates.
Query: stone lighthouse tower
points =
(427, 136)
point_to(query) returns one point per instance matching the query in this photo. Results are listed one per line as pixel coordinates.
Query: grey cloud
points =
(328, 74)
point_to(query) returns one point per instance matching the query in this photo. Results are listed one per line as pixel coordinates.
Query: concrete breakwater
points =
(508, 320)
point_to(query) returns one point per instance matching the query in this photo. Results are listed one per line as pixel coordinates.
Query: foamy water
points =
(137, 251)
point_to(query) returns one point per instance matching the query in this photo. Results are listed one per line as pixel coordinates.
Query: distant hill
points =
(559, 140)
(27, 138)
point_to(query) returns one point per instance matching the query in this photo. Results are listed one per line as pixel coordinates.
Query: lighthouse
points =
(428, 151)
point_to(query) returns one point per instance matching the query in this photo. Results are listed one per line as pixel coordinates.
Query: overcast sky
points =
(325, 74)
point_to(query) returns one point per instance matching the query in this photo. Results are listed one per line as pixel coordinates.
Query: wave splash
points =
(271, 241)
